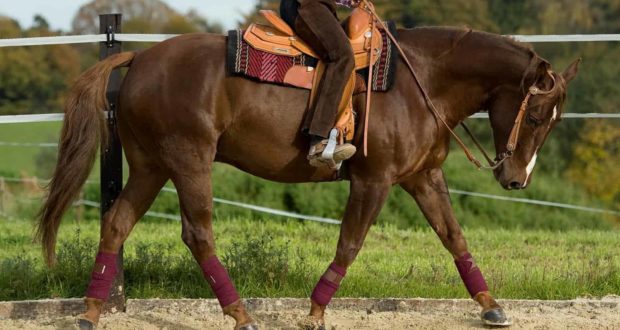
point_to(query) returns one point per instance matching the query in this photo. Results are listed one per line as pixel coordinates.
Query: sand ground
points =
(400, 314)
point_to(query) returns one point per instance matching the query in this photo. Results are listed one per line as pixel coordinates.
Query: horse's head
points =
(522, 120)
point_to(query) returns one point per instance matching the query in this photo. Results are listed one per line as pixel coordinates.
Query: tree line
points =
(35, 79)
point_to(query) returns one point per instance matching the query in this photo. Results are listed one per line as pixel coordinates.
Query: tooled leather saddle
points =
(273, 53)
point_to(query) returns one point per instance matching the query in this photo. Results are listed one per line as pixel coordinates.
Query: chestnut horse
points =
(179, 112)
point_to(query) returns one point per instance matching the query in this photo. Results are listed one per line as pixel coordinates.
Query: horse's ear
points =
(570, 72)
(542, 74)
(543, 67)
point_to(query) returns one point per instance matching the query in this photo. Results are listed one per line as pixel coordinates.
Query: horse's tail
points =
(83, 129)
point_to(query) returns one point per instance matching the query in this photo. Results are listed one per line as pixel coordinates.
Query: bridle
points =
(514, 134)
(513, 139)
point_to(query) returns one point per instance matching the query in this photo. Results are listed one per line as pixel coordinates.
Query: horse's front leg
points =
(430, 191)
(366, 199)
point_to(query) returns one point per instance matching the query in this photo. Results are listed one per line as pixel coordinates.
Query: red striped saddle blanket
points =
(245, 60)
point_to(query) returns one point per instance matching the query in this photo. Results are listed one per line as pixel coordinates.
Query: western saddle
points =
(366, 41)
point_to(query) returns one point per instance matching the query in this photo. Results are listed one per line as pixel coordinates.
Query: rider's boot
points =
(342, 152)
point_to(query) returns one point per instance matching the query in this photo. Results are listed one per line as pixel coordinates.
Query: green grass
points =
(285, 258)
(22, 160)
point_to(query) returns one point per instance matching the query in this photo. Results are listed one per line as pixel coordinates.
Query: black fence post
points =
(112, 156)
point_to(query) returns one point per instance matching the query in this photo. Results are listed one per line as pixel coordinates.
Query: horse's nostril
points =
(515, 185)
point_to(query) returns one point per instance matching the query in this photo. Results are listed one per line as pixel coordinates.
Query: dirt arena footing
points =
(345, 313)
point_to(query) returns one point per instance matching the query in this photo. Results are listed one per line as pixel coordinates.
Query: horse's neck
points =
(462, 68)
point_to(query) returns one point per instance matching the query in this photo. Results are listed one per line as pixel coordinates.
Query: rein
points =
(514, 134)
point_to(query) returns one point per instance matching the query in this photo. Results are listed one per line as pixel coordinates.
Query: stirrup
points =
(328, 153)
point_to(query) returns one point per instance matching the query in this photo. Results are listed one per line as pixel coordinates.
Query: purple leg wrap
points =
(471, 275)
(102, 276)
(325, 289)
(220, 283)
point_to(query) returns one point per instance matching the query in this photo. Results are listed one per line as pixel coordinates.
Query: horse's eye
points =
(532, 120)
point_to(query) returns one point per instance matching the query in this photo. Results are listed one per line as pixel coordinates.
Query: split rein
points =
(514, 134)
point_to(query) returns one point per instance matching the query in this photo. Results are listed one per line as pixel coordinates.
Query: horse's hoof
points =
(84, 324)
(310, 323)
(496, 317)
(249, 327)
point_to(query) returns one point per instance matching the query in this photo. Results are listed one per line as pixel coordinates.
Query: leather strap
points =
(478, 144)
(533, 90)
(369, 92)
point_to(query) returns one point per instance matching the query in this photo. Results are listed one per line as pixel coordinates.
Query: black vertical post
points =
(112, 156)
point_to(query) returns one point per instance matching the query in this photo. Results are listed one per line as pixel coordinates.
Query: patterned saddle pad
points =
(244, 60)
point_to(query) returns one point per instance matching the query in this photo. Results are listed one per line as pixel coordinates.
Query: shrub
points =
(258, 260)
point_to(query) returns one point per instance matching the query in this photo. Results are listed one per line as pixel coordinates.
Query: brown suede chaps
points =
(318, 25)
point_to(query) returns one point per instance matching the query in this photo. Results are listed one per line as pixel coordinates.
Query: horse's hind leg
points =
(193, 184)
(142, 187)
(430, 191)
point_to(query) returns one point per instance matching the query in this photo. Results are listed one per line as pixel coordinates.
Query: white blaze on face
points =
(555, 113)
(530, 167)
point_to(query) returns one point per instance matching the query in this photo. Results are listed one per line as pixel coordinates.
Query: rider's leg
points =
(318, 25)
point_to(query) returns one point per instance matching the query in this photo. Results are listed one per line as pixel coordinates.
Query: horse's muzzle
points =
(508, 179)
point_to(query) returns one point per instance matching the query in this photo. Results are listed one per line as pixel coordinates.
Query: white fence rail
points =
(128, 37)
(568, 38)
(32, 118)
(59, 117)
(484, 115)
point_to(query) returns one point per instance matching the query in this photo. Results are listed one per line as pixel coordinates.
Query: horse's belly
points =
(264, 139)
(271, 164)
